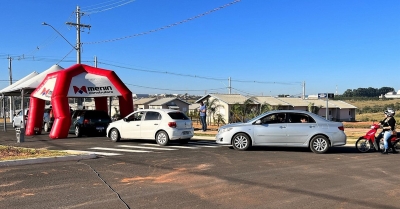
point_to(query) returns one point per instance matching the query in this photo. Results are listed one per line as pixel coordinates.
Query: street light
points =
(44, 23)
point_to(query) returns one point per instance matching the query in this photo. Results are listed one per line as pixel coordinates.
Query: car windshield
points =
(178, 116)
(257, 117)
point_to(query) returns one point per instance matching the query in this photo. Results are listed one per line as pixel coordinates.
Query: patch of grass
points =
(13, 153)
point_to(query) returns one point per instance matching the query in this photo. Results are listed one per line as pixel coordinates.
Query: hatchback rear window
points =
(96, 115)
(178, 116)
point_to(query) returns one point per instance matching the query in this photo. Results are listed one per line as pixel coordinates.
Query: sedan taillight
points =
(341, 128)
(172, 124)
(86, 121)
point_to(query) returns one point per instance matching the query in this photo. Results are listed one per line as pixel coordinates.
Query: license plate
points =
(186, 132)
(100, 128)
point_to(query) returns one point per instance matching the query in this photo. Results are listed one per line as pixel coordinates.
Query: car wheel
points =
(319, 144)
(363, 145)
(162, 138)
(46, 127)
(114, 135)
(78, 132)
(241, 142)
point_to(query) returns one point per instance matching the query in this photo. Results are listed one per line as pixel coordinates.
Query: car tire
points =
(46, 127)
(241, 142)
(78, 132)
(162, 138)
(319, 144)
(114, 135)
(363, 145)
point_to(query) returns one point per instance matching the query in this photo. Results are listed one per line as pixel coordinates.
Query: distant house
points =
(143, 103)
(193, 108)
(274, 102)
(391, 95)
(222, 104)
(170, 103)
(138, 96)
(337, 110)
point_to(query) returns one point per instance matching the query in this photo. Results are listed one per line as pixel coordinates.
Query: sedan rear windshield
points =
(178, 116)
(97, 115)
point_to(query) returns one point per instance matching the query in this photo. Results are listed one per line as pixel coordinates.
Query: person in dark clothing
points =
(388, 125)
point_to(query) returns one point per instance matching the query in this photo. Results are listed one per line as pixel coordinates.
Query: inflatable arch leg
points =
(34, 124)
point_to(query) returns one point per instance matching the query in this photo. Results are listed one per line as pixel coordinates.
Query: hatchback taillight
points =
(172, 124)
(86, 121)
(341, 128)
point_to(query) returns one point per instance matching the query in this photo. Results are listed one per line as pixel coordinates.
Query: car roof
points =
(159, 110)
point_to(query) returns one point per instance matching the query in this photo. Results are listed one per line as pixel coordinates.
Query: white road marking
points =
(96, 153)
(181, 147)
(119, 150)
(142, 147)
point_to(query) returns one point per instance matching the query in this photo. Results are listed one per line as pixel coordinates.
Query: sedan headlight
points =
(222, 130)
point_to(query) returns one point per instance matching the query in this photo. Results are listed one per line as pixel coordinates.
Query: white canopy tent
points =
(31, 84)
(25, 87)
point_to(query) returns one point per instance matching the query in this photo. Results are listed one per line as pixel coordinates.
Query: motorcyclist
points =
(388, 125)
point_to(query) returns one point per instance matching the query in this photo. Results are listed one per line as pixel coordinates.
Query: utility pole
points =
(78, 26)
(229, 87)
(11, 99)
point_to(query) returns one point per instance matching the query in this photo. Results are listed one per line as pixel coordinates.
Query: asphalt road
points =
(199, 175)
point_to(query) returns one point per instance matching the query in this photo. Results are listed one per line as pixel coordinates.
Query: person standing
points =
(203, 110)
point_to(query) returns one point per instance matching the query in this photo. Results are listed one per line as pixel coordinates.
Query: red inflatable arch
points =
(77, 81)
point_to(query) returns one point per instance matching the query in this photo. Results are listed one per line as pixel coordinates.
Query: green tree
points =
(312, 108)
(212, 107)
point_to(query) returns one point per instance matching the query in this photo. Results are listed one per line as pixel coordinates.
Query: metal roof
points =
(227, 98)
(270, 100)
(143, 101)
(166, 100)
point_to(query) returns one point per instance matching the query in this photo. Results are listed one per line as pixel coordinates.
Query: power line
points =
(107, 7)
(164, 72)
(201, 77)
(168, 26)
(173, 89)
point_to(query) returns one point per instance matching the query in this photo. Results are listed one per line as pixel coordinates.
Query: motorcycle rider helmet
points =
(390, 112)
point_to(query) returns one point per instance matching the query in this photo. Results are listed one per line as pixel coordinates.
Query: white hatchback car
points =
(18, 118)
(162, 125)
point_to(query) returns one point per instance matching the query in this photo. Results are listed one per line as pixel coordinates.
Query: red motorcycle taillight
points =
(341, 128)
(86, 121)
(172, 124)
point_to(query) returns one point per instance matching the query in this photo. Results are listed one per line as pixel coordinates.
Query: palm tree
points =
(241, 112)
(312, 108)
(212, 107)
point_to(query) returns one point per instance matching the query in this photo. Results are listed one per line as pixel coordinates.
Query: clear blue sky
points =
(278, 44)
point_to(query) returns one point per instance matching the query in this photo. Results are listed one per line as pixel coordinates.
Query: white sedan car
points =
(284, 128)
(162, 125)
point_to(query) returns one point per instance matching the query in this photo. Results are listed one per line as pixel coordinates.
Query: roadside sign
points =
(324, 95)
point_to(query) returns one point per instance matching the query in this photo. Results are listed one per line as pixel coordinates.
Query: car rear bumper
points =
(181, 134)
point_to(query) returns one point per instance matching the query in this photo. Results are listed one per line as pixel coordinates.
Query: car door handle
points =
(312, 126)
(155, 124)
(282, 126)
(137, 125)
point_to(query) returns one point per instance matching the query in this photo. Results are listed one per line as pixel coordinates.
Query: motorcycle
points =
(368, 142)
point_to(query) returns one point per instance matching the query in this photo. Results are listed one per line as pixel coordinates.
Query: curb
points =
(46, 160)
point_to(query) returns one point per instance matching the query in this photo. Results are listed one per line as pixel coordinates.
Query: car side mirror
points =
(258, 122)
(125, 119)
